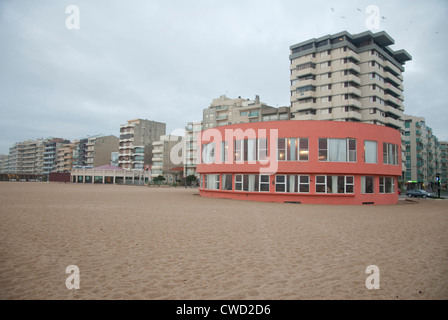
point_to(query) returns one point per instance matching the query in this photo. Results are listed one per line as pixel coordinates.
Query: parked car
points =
(419, 193)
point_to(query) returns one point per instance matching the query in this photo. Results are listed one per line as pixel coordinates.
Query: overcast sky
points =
(167, 60)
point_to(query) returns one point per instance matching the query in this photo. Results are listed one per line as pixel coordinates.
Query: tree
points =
(190, 179)
(158, 179)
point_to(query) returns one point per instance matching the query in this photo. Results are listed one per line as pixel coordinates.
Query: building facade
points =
(51, 147)
(80, 154)
(136, 139)
(225, 111)
(444, 165)
(163, 161)
(99, 149)
(423, 154)
(192, 130)
(64, 161)
(344, 77)
(26, 157)
(308, 162)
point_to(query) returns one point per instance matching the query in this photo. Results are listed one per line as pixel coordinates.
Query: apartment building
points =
(51, 147)
(99, 149)
(444, 164)
(26, 157)
(64, 161)
(224, 111)
(192, 130)
(345, 77)
(4, 163)
(136, 142)
(162, 161)
(80, 154)
(423, 154)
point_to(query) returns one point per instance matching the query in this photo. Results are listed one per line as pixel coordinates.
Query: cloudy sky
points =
(167, 60)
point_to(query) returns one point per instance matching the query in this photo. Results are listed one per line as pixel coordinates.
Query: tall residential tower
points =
(344, 77)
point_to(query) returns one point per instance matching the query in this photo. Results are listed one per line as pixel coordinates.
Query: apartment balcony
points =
(390, 76)
(389, 65)
(300, 73)
(394, 89)
(396, 112)
(303, 95)
(156, 168)
(305, 116)
(347, 54)
(393, 122)
(157, 158)
(394, 100)
(352, 66)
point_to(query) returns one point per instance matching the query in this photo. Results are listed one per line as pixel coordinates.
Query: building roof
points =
(108, 167)
(177, 169)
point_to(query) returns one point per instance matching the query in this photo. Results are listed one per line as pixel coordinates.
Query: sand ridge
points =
(133, 242)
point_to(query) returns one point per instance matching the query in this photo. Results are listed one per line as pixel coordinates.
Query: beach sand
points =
(133, 242)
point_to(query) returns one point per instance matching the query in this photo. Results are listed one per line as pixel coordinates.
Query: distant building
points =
(423, 156)
(64, 161)
(99, 149)
(80, 154)
(4, 161)
(162, 162)
(444, 164)
(136, 139)
(51, 147)
(192, 130)
(225, 111)
(26, 157)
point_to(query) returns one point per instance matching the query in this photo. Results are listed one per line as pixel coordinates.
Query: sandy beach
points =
(133, 242)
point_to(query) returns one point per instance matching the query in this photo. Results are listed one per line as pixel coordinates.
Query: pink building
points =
(310, 162)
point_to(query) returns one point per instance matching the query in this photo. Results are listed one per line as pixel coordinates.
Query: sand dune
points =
(149, 243)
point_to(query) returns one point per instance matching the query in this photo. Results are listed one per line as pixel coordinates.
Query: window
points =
(252, 182)
(387, 185)
(211, 182)
(370, 152)
(243, 113)
(292, 183)
(224, 149)
(208, 153)
(390, 153)
(264, 183)
(337, 150)
(367, 184)
(227, 182)
(262, 149)
(292, 149)
(250, 149)
(334, 184)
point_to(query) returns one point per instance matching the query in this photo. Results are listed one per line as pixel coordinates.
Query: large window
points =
(250, 149)
(292, 183)
(292, 149)
(224, 149)
(208, 153)
(334, 184)
(390, 153)
(370, 152)
(337, 150)
(252, 182)
(387, 184)
(211, 181)
(226, 182)
(367, 185)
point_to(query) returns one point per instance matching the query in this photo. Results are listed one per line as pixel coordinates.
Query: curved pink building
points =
(309, 162)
